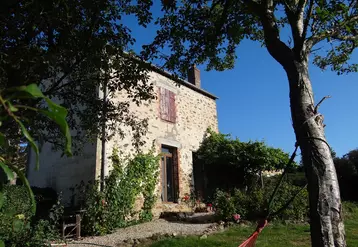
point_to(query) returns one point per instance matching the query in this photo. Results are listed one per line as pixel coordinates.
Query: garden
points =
(276, 234)
(239, 201)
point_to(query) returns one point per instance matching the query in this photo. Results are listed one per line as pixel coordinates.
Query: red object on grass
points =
(250, 242)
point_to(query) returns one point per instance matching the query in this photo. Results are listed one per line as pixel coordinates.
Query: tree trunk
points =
(327, 228)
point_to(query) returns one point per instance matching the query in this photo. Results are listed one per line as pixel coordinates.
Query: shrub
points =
(350, 210)
(224, 205)
(114, 206)
(18, 226)
(47, 229)
(228, 163)
(253, 204)
(45, 199)
(15, 214)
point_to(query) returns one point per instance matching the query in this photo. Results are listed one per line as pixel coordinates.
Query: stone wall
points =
(195, 113)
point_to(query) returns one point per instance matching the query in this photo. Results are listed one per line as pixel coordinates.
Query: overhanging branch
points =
(307, 20)
(334, 32)
(345, 37)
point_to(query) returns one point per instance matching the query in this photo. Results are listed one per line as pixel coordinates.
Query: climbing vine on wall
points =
(114, 207)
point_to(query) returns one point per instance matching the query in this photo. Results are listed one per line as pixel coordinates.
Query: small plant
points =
(225, 206)
(236, 217)
(186, 199)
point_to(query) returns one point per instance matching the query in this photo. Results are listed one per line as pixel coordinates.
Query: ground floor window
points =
(169, 174)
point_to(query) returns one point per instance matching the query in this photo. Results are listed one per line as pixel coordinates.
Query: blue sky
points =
(254, 98)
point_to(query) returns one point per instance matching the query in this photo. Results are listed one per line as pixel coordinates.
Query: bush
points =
(350, 210)
(47, 229)
(228, 163)
(114, 206)
(253, 204)
(18, 226)
(15, 214)
(45, 199)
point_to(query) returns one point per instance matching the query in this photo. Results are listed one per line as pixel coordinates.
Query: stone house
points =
(177, 123)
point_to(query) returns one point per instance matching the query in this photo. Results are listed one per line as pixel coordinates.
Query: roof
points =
(182, 82)
(174, 78)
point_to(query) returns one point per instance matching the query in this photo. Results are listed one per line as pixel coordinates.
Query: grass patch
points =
(278, 235)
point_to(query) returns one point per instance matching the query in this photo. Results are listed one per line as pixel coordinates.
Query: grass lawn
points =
(274, 235)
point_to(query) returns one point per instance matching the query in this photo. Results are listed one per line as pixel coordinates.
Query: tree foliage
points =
(71, 49)
(199, 31)
(347, 173)
(230, 163)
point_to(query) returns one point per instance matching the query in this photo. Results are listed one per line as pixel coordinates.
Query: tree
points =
(347, 173)
(200, 31)
(232, 164)
(71, 49)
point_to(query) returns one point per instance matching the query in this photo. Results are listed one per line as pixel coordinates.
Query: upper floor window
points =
(167, 105)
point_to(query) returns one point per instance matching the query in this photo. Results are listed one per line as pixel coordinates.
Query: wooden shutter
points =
(167, 105)
(164, 113)
(172, 113)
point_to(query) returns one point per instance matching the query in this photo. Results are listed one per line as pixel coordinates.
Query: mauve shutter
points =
(172, 107)
(167, 105)
(162, 99)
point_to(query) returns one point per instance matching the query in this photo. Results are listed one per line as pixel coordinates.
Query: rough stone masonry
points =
(192, 111)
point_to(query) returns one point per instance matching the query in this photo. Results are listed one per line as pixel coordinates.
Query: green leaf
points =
(17, 225)
(2, 244)
(31, 141)
(33, 90)
(12, 108)
(7, 170)
(58, 114)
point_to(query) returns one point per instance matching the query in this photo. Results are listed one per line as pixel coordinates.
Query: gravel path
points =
(144, 230)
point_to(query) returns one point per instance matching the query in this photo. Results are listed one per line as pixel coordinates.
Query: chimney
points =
(194, 76)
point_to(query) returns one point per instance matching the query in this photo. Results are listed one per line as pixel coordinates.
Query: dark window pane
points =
(166, 150)
(163, 179)
(169, 174)
(170, 184)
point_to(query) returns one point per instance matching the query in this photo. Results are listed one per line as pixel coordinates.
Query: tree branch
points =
(320, 102)
(94, 21)
(296, 20)
(301, 6)
(58, 82)
(269, 5)
(307, 20)
(335, 32)
(255, 7)
(345, 37)
(278, 49)
(223, 17)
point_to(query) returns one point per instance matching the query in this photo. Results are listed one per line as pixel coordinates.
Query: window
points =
(167, 105)
(169, 174)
